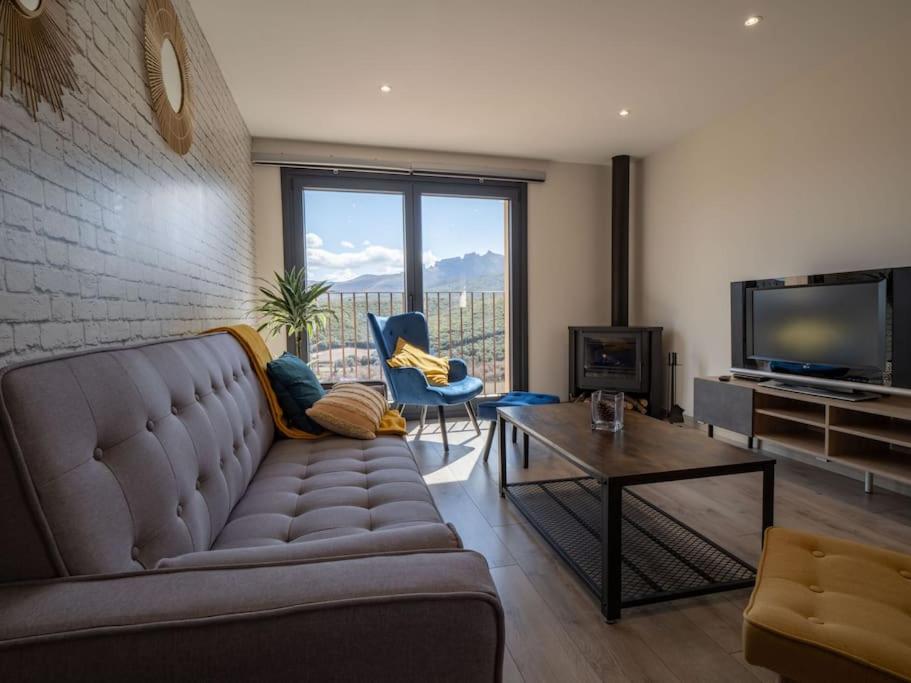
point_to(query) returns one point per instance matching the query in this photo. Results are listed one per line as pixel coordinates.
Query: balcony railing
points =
(466, 325)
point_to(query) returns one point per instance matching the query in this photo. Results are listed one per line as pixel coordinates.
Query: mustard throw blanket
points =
(253, 344)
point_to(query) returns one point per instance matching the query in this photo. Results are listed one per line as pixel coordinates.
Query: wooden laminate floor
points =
(554, 629)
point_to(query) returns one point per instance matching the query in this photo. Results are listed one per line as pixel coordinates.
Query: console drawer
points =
(724, 404)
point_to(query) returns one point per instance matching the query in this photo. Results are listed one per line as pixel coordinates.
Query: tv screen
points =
(840, 325)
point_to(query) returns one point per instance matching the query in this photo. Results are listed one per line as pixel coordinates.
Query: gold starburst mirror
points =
(168, 72)
(35, 52)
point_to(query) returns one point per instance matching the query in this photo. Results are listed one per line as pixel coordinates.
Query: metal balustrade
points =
(466, 325)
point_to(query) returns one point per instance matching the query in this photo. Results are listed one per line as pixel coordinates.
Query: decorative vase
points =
(607, 411)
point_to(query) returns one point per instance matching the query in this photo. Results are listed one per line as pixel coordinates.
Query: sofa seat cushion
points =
(335, 488)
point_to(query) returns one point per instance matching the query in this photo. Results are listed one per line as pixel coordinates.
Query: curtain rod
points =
(411, 169)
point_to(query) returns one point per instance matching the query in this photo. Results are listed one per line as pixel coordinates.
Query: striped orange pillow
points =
(350, 409)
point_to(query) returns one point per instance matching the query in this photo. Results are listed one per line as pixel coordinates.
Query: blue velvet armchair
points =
(409, 385)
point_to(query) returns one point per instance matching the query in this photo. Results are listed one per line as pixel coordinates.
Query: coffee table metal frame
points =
(611, 523)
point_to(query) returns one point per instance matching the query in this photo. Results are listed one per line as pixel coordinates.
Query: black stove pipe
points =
(620, 166)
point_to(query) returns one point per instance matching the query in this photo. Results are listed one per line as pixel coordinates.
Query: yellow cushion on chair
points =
(825, 609)
(410, 356)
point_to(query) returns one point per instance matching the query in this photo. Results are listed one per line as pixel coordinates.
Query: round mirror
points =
(30, 7)
(171, 75)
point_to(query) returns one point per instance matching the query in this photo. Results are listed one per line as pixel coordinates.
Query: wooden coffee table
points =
(627, 550)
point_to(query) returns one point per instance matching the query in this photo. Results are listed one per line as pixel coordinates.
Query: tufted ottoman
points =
(488, 411)
(825, 609)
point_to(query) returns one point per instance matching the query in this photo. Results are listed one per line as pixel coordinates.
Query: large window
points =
(356, 241)
(464, 241)
(454, 250)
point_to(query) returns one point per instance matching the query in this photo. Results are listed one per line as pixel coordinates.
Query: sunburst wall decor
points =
(168, 73)
(36, 52)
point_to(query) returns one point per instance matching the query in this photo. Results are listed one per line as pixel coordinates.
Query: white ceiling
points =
(526, 78)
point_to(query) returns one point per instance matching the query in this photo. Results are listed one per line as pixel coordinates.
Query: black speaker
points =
(901, 327)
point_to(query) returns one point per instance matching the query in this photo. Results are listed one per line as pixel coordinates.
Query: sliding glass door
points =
(465, 279)
(454, 250)
(355, 240)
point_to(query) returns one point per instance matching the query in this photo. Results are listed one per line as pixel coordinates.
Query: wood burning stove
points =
(627, 359)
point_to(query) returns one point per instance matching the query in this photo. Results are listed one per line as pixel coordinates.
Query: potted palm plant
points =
(291, 305)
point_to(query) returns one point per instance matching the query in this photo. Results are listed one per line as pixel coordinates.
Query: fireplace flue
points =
(620, 240)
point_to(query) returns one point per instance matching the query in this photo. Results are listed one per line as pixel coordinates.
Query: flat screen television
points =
(840, 326)
(836, 330)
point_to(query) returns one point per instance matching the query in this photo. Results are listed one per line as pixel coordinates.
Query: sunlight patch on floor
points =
(442, 476)
(464, 449)
(462, 467)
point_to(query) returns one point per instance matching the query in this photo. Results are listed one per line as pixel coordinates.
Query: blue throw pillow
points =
(297, 389)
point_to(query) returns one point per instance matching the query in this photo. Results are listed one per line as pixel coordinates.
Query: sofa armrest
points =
(458, 369)
(422, 616)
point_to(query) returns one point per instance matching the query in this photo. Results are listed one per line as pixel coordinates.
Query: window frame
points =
(295, 180)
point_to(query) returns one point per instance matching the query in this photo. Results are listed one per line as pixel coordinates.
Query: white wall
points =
(814, 178)
(267, 219)
(568, 243)
(107, 236)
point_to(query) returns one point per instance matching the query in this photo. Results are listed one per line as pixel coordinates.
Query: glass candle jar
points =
(607, 411)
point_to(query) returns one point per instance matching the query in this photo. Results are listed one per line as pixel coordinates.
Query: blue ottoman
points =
(488, 411)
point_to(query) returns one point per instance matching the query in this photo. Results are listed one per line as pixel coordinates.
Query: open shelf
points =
(660, 557)
(882, 428)
(805, 416)
(791, 409)
(801, 428)
(811, 443)
(898, 407)
(897, 435)
(870, 455)
(872, 436)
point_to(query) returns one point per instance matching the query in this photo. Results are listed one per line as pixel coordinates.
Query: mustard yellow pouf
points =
(825, 609)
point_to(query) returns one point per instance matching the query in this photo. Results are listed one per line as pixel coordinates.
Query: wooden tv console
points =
(871, 436)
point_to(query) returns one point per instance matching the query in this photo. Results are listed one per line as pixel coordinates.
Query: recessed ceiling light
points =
(752, 21)
(385, 88)
(624, 113)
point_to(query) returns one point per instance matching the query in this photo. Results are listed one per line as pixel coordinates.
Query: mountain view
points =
(470, 272)
(356, 240)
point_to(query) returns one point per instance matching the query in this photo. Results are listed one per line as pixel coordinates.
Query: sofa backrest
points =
(113, 459)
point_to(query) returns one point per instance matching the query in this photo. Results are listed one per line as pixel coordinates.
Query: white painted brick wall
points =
(106, 235)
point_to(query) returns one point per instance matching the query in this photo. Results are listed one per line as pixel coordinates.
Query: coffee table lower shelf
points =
(661, 558)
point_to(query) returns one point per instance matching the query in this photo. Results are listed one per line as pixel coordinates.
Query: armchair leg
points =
(514, 433)
(489, 442)
(423, 417)
(472, 417)
(442, 415)
(525, 450)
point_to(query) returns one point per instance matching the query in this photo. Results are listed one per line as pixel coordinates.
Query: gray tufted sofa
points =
(153, 528)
